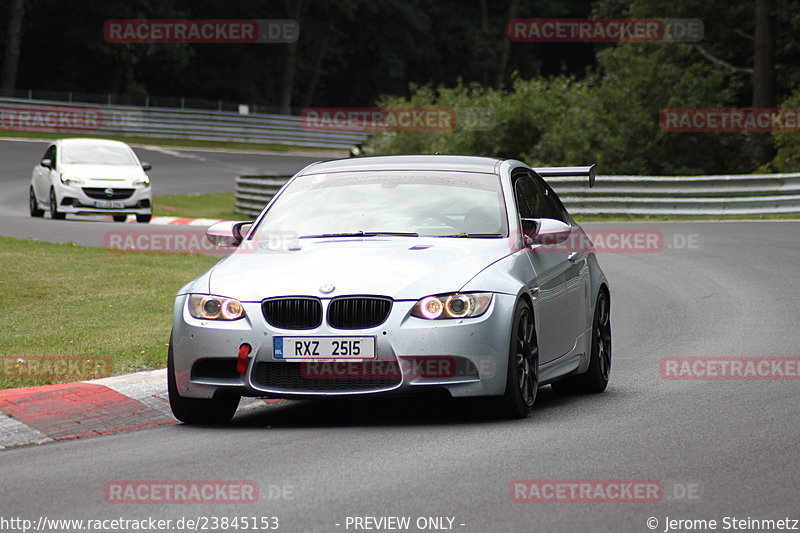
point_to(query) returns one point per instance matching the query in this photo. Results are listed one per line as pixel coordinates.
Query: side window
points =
(535, 199)
(51, 155)
(551, 204)
(525, 194)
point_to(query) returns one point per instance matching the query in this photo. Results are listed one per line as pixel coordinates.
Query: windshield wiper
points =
(472, 235)
(362, 234)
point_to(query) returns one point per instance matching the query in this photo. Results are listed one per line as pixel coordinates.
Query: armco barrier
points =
(674, 196)
(253, 193)
(154, 122)
(683, 196)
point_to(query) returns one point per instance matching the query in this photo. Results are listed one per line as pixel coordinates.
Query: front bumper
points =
(466, 357)
(73, 199)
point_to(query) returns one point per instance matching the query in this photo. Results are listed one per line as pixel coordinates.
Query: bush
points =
(610, 117)
(787, 143)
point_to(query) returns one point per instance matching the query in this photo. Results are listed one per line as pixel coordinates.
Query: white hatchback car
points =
(91, 177)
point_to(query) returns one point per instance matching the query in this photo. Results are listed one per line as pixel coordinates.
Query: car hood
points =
(404, 268)
(106, 175)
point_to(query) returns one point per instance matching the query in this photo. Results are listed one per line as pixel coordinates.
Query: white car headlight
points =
(67, 180)
(208, 307)
(142, 182)
(455, 305)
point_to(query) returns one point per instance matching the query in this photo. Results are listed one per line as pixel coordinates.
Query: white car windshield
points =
(97, 155)
(440, 204)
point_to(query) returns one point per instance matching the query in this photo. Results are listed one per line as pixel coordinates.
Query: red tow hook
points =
(241, 359)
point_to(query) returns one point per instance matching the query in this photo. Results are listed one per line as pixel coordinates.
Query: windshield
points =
(97, 155)
(439, 204)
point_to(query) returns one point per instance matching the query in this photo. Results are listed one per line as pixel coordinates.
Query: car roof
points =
(457, 163)
(90, 141)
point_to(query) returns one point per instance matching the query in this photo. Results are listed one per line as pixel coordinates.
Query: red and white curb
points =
(177, 221)
(47, 413)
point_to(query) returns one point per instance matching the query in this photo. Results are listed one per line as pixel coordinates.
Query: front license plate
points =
(108, 205)
(337, 348)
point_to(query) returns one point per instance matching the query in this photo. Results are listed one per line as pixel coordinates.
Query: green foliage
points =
(553, 103)
(73, 301)
(215, 206)
(616, 123)
(787, 143)
(610, 117)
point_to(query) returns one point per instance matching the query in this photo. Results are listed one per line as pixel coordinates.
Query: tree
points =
(8, 79)
(764, 74)
(295, 10)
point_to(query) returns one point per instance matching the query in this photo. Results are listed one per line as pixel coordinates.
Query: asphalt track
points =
(175, 171)
(733, 444)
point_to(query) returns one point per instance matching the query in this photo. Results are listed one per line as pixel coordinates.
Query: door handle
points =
(572, 257)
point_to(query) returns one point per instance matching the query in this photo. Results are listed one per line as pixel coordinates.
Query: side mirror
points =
(548, 230)
(228, 234)
(47, 163)
(146, 166)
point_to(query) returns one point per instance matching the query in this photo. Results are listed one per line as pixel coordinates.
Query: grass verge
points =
(66, 304)
(219, 206)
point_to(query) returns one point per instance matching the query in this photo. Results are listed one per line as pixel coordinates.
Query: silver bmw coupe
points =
(396, 275)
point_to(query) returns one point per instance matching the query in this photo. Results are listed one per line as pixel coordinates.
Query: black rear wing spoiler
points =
(552, 172)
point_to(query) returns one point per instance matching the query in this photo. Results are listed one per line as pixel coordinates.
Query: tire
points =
(36, 211)
(595, 380)
(54, 213)
(522, 375)
(120, 218)
(143, 219)
(198, 411)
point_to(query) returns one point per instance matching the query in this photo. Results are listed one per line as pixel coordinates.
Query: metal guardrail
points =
(676, 196)
(153, 122)
(682, 196)
(253, 193)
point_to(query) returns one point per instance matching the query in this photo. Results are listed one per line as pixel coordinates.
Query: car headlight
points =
(142, 182)
(210, 307)
(455, 305)
(67, 180)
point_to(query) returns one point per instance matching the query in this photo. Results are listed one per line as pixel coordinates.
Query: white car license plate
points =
(102, 204)
(338, 348)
